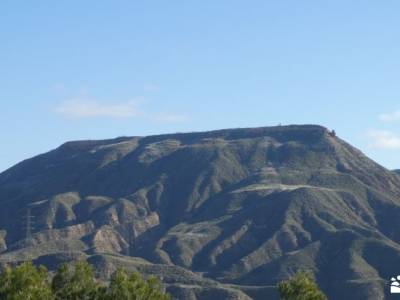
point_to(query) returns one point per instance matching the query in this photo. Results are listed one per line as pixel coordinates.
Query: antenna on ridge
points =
(28, 224)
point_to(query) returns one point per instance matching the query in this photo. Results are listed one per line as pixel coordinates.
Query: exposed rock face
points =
(108, 240)
(3, 245)
(229, 213)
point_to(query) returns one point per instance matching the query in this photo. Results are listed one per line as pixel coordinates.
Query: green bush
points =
(123, 286)
(302, 286)
(25, 282)
(75, 282)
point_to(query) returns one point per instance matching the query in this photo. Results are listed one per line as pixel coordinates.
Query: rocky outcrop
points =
(3, 244)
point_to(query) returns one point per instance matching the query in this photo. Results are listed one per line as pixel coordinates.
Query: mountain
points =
(217, 215)
(397, 171)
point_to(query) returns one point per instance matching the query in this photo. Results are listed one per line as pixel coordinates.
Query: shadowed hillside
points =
(217, 215)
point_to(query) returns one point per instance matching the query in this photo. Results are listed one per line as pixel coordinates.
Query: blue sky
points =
(101, 69)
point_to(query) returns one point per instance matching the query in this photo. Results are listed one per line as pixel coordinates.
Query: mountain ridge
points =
(242, 207)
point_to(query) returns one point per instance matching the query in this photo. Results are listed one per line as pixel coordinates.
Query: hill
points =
(218, 215)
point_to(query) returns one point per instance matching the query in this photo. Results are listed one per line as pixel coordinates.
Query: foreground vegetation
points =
(78, 282)
(75, 282)
(302, 286)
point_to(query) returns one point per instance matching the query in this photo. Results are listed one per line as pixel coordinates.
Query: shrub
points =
(302, 286)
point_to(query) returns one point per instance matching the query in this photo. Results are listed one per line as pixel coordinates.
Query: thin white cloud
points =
(92, 108)
(383, 139)
(390, 117)
(166, 117)
(88, 108)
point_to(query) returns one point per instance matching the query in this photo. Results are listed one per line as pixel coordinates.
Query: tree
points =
(25, 282)
(131, 287)
(76, 282)
(302, 286)
(154, 290)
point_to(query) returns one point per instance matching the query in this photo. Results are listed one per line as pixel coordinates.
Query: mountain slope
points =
(238, 209)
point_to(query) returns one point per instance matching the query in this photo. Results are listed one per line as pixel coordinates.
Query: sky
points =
(72, 70)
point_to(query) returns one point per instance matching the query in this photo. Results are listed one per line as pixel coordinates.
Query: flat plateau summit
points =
(223, 214)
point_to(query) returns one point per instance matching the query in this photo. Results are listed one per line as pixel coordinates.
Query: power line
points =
(28, 226)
